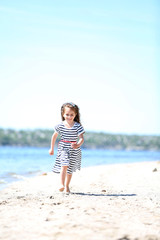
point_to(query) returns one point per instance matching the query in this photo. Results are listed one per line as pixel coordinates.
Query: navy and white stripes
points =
(67, 156)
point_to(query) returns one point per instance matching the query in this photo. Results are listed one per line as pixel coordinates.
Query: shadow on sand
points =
(104, 195)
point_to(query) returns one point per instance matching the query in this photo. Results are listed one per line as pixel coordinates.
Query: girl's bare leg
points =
(68, 179)
(63, 177)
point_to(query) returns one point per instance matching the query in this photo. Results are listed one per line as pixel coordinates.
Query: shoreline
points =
(117, 201)
(20, 178)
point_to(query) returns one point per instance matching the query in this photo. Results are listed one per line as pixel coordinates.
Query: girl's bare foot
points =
(67, 190)
(61, 188)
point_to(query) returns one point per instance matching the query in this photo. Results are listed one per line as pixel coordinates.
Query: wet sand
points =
(119, 201)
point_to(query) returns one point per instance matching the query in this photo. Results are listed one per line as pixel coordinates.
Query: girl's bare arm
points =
(53, 140)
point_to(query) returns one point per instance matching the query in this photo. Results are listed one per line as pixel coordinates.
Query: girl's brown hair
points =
(74, 108)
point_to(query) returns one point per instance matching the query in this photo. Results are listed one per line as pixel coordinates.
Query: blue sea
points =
(17, 163)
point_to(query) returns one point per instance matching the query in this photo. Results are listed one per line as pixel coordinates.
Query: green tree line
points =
(42, 138)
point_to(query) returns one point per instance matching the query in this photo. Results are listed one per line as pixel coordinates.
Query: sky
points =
(101, 55)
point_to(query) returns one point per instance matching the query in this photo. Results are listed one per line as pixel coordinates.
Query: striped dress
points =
(67, 156)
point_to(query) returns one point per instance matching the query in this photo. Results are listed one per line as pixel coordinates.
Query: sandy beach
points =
(119, 201)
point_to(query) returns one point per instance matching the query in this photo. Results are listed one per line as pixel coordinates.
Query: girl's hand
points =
(79, 143)
(51, 152)
(74, 145)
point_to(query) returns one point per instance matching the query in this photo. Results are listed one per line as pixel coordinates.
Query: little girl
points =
(68, 158)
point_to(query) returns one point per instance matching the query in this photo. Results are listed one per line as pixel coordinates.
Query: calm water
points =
(16, 163)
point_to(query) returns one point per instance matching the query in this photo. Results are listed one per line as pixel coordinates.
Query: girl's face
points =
(69, 114)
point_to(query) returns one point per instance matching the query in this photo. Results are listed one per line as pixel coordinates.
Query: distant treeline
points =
(42, 138)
